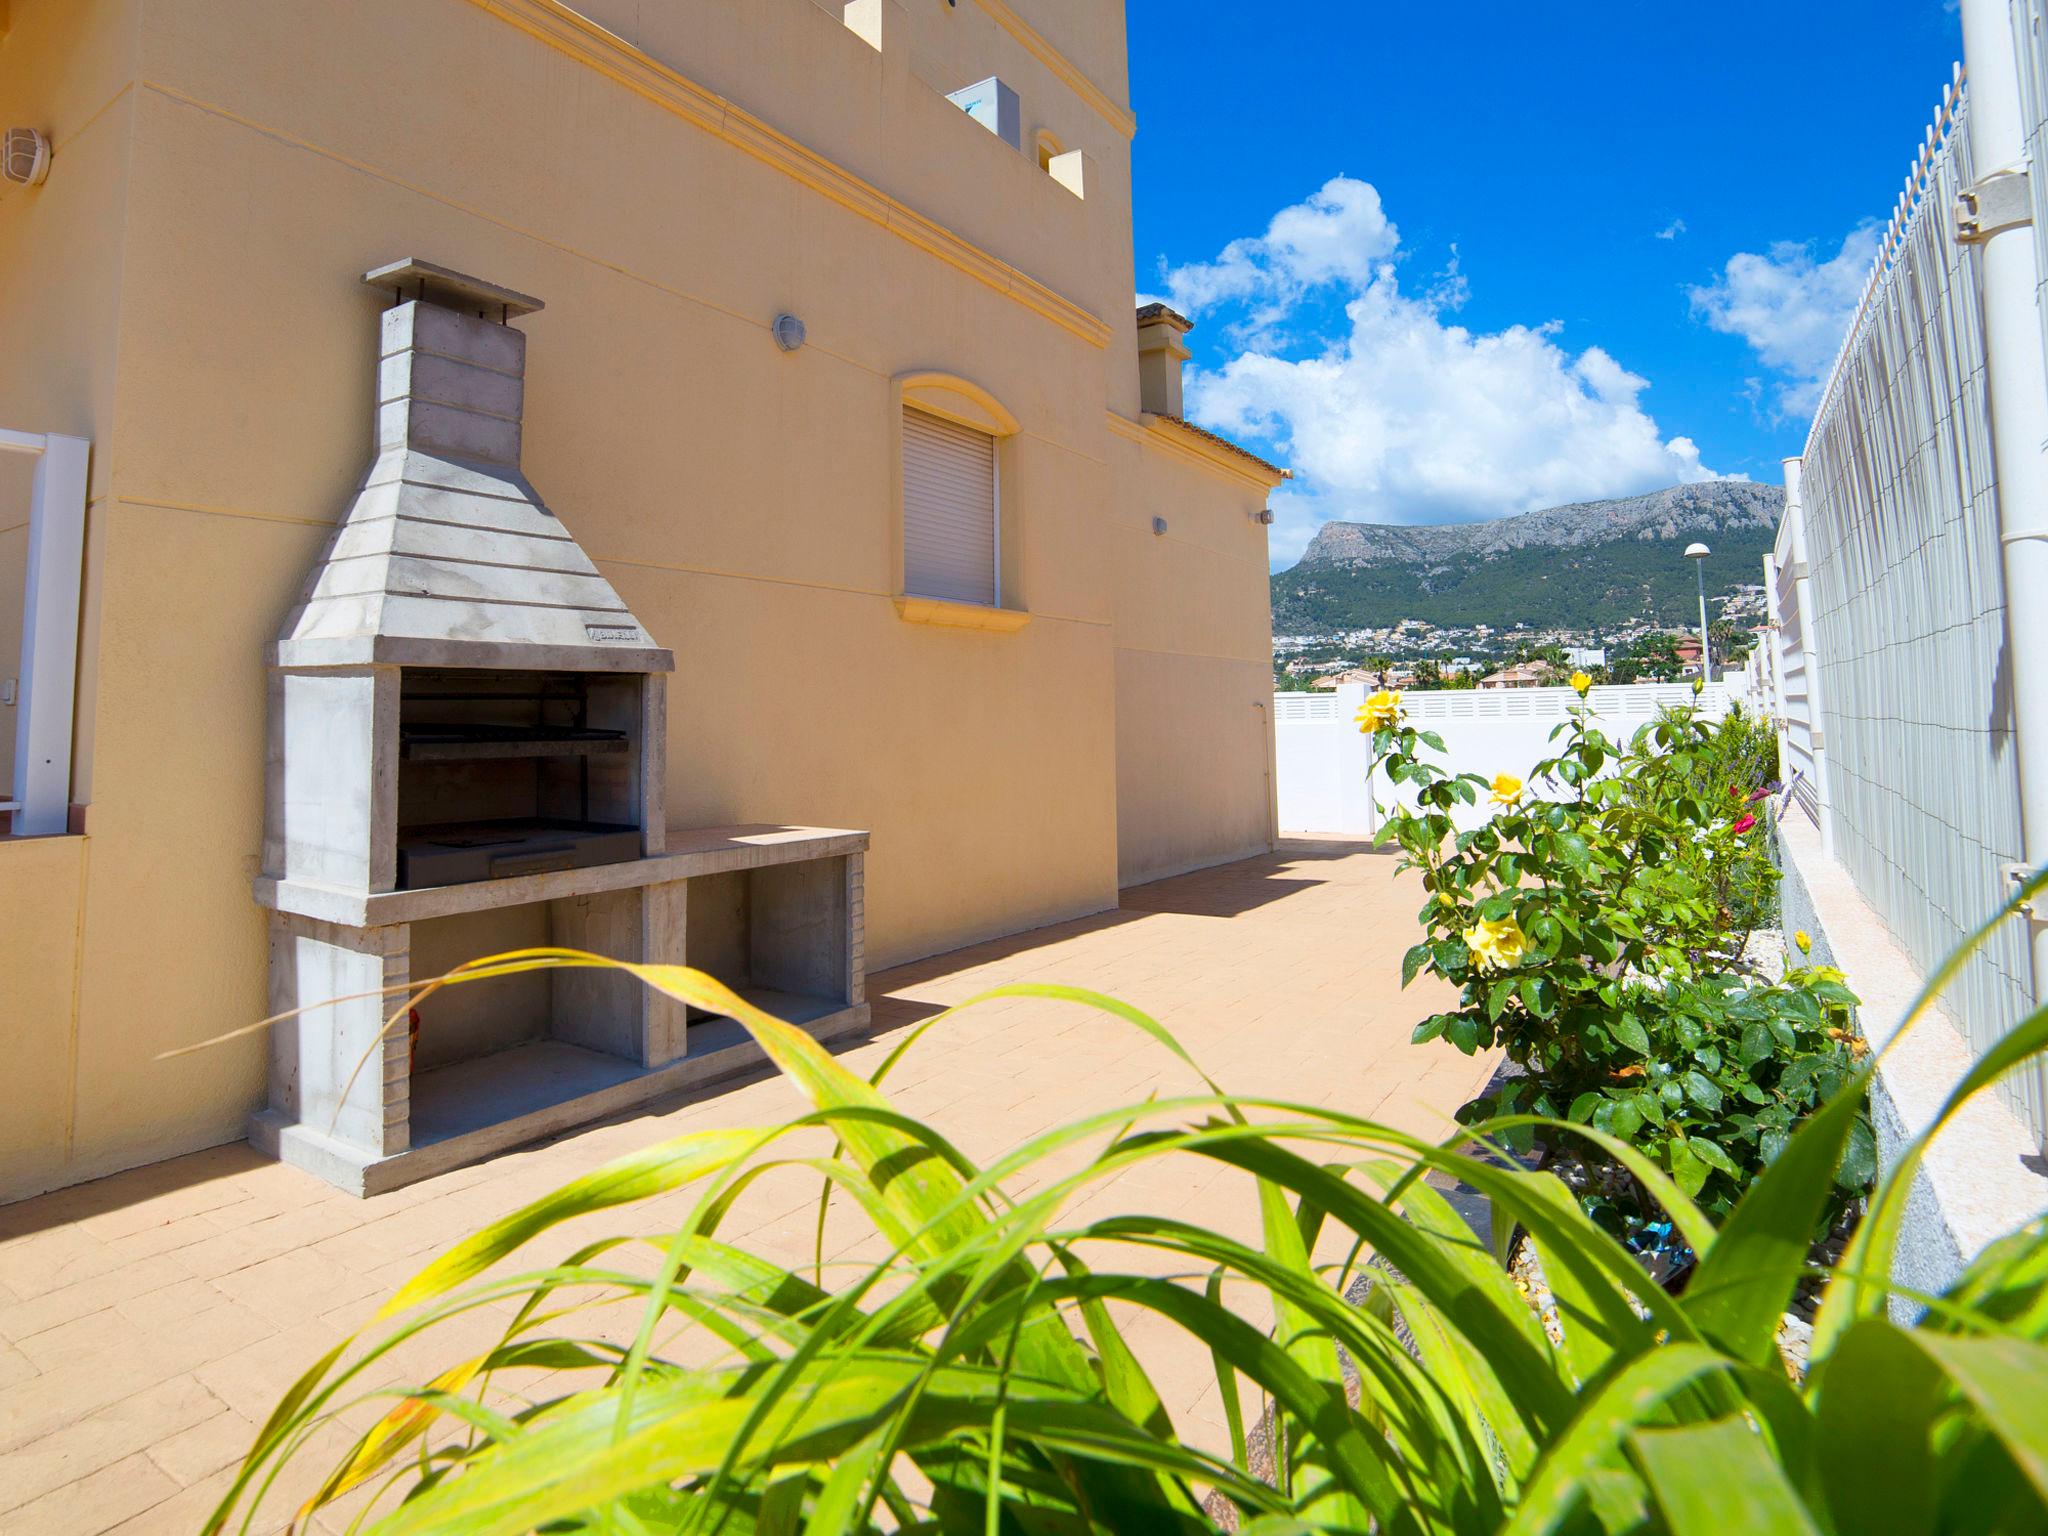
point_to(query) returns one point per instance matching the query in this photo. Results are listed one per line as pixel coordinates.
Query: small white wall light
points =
(789, 332)
(24, 157)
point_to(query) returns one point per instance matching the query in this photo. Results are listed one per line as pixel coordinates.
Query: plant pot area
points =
(369, 1104)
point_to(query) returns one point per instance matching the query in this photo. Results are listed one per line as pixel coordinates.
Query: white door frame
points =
(49, 631)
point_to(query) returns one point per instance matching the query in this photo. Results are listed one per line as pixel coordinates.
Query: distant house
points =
(1354, 675)
(1523, 674)
(1687, 650)
(1585, 656)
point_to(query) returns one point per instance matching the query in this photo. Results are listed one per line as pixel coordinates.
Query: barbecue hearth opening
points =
(505, 773)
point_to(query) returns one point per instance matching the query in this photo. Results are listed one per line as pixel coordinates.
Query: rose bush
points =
(1595, 932)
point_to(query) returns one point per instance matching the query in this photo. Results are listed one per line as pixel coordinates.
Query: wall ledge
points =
(950, 615)
(1983, 1176)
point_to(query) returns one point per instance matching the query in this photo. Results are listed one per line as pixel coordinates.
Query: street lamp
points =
(1697, 554)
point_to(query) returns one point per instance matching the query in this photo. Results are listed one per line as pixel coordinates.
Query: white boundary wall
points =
(1323, 757)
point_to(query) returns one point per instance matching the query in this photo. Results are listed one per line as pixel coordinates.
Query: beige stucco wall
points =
(742, 500)
(1194, 677)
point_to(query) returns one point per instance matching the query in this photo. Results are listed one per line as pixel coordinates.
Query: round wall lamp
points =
(789, 332)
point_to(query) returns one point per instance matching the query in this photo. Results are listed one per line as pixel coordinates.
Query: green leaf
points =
(1701, 1090)
(1742, 1288)
(1878, 1397)
(1417, 957)
(1575, 850)
(2007, 1380)
(1710, 1152)
(1719, 1479)
(1628, 1029)
(1604, 1421)
(1859, 1157)
(1539, 996)
(1687, 1170)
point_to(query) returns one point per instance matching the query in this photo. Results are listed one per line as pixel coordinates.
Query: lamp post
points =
(1697, 554)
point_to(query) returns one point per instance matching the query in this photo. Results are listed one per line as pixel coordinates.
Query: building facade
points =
(185, 290)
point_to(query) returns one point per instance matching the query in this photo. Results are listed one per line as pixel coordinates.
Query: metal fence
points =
(2030, 48)
(1906, 607)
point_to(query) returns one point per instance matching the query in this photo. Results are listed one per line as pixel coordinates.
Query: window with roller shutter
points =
(950, 510)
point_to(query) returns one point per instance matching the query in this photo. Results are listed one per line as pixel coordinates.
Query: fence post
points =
(1770, 648)
(2017, 382)
(1809, 650)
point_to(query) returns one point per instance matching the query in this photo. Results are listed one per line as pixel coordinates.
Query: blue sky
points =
(1450, 263)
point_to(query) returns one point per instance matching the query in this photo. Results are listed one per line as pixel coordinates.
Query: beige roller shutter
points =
(949, 510)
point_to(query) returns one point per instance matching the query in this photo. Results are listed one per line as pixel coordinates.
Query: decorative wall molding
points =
(576, 36)
(1100, 101)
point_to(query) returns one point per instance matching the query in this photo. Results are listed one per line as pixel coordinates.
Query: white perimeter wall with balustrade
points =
(1323, 758)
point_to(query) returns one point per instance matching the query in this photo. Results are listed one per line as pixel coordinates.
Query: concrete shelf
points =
(688, 853)
(469, 1110)
(775, 912)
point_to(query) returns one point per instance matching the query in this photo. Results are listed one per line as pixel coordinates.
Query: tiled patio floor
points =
(148, 1322)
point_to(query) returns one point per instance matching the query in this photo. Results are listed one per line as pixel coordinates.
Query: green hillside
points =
(1591, 587)
(1589, 567)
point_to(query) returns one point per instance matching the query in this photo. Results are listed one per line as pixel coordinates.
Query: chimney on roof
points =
(1160, 355)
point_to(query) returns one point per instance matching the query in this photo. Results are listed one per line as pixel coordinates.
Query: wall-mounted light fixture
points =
(789, 332)
(1159, 527)
(1263, 517)
(24, 157)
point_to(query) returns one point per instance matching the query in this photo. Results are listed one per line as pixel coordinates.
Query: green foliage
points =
(1590, 587)
(1591, 937)
(976, 1373)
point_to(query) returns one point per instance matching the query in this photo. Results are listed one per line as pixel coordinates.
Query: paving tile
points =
(187, 1511)
(94, 1378)
(100, 1439)
(172, 1305)
(194, 1455)
(98, 1502)
(14, 1366)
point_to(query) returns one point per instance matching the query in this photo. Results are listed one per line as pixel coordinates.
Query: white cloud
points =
(1404, 417)
(1672, 230)
(1792, 309)
(1333, 238)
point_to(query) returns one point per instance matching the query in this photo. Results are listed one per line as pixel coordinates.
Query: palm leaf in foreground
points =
(973, 1373)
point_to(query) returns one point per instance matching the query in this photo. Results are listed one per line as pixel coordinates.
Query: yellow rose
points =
(1497, 945)
(1380, 712)
(1507, 789)
(1804, 940)
(1581, 681)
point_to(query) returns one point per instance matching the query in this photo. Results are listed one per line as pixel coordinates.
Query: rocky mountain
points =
(1589, 566)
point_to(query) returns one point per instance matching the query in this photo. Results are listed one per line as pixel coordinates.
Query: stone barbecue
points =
(467, 756)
